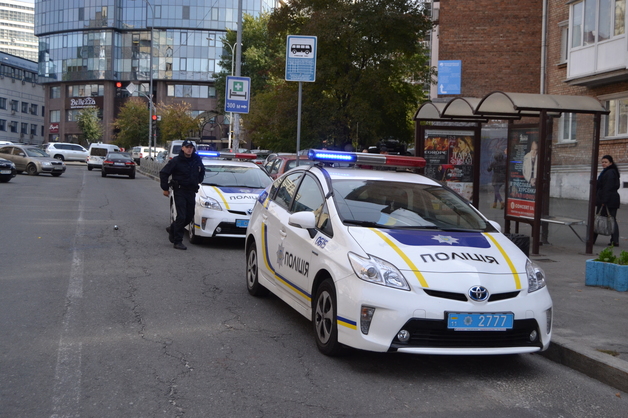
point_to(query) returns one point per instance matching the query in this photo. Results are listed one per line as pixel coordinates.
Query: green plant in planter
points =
(607, 256)
(607, 270)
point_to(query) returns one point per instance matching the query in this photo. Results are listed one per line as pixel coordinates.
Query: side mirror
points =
(496, 225)
(305, 220)
(21, 154)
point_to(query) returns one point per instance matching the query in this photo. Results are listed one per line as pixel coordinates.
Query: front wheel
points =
(252, 273)
(324, 319)
(31, 169)
(194, 239)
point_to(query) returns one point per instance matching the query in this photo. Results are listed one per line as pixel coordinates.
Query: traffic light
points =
(155, 118)
(119, 89)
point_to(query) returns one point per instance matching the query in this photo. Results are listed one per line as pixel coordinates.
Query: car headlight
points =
(209, 203)
(536, 277)
(375, 270)
(46, 163)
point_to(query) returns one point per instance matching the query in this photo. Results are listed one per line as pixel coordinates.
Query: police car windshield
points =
(233, 176)
(375, 203)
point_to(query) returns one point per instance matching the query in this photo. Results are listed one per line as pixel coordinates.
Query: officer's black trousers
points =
(184, 202)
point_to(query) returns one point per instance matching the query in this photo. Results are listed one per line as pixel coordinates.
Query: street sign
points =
(449, 77)
(301, 58)
(238, 94)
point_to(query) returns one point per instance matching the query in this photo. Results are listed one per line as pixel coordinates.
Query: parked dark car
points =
(7, 170)
(118, 163)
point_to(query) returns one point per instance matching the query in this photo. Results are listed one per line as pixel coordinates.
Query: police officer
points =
(186, 172)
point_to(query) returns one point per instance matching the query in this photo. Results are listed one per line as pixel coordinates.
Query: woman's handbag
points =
(603, 224)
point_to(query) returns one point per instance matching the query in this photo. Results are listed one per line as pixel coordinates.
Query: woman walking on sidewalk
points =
(606, 196)
(498, 167)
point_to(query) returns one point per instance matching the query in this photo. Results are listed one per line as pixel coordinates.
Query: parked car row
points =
(32, 159)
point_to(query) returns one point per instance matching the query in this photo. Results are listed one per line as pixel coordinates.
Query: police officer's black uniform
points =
(186, 175)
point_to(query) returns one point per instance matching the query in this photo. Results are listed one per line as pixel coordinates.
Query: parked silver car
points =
(67, 152)
(31, 159)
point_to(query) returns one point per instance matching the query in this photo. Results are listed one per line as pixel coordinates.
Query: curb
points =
(603, 367)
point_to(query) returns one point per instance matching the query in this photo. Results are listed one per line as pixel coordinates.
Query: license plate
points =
(242, 223)
(118, 164)
(480, 321)
(5, 171)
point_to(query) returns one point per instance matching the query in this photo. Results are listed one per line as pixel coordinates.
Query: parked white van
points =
(97, 153)
(174, 147)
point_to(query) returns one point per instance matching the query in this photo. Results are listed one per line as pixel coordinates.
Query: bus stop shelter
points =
(448, 135)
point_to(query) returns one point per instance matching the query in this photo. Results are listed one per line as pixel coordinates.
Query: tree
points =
(132, 123)
(90, 125)
(371, 68)
(176, 122)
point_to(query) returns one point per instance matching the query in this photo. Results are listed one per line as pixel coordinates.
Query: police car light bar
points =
(365, 158)
(227, 155)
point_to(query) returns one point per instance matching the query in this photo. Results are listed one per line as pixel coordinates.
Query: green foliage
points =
(132, 123)
(607, 256)
(176, 122)
(370, 72)
(90, 125)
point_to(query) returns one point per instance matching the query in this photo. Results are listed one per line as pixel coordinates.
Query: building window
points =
(13, 126)
(14, 105)
(55, 92)
(55, 116)
(567, 128)
(563, 27)
(596, 21)
(24, 107)
(3, 103)
(34, 109)
(73, 115)
(617, 120)
(81, 13)
(3, 125)
(33, 129)
(186, 12)
(24, 128)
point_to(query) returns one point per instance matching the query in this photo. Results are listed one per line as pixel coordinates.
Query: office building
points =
(17, 26)
(85, 48)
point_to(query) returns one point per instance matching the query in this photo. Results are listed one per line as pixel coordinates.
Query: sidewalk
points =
(590, 323)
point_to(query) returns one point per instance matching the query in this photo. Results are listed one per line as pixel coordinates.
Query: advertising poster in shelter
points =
(523, 146)
(449, 159)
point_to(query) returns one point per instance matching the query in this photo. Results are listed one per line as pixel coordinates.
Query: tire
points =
(59, 157)
(324, 311)
(89, 167)
(103, 174)
(5, 179)
(56, 174)
(132, 175)
(194, 239)
(252, 272)
(31, 169)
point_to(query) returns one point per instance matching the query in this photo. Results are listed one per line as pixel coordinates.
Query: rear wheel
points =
(252, 272)
(59, 157)
(103, 174)
(89, 167)
(324, 319)
(56, 174)
(132, 175)
(31, 169)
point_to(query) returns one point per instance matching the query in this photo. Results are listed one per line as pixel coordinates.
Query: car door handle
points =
(283, 233)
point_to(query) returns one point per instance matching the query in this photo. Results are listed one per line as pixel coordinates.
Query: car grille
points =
(229, 228)
(238, 212)
(434, 333)
(56, 162)
(462, 297)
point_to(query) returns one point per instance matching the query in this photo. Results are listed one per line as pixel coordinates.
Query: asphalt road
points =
(99, 322)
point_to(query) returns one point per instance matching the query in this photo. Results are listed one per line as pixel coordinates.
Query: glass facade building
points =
(89, 45)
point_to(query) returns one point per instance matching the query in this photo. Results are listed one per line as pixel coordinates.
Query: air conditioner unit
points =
(13, 112)
(32, 136)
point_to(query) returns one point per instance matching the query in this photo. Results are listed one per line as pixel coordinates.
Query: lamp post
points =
(150, 72)
(233, 48)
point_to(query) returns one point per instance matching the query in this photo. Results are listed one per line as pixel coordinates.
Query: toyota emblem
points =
(478, 293)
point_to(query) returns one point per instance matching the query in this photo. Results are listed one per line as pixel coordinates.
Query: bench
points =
(561, 220)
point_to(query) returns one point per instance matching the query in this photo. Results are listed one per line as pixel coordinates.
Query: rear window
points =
(99, 152)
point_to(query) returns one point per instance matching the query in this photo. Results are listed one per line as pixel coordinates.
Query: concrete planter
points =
(599, 273)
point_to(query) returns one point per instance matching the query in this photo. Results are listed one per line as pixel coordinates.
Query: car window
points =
(5, 150)
(310, 198)
(76, 148)
(99, 152)
(404, 205)
(233, 176)
(293, 163)
(36, 152)
(287, 188)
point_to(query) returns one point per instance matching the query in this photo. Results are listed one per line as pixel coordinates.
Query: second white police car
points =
(225, 199)
(393, 261)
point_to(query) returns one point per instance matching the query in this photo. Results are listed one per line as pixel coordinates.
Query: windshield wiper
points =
(364, 223)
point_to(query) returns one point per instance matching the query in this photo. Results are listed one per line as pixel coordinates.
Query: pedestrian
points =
(606, 195)
(185, 172)
(498, 179)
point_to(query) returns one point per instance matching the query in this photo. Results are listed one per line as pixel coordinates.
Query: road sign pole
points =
(299, 122)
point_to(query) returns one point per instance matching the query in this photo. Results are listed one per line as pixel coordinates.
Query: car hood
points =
(436, 257)
(232, 198)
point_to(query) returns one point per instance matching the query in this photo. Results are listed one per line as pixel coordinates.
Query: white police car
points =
(393, 261)
(226, 197)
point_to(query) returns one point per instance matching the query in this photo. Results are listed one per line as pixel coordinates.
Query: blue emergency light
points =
(366, 158)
